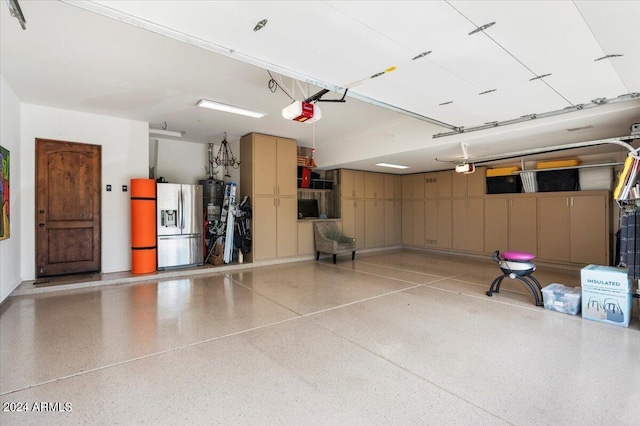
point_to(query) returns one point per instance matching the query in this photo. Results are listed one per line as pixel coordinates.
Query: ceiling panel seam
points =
(535, 75)
(232, 53)
(604, 53)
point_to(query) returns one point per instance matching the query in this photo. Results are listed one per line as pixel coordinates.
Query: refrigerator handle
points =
(181, 197)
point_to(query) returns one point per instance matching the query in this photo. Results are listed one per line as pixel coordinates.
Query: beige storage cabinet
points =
(268, 175)
(351, 184)
(469, 185)
(437, 210)
(374, 221)
(468, 224)
(392, 210)
(392, 187)
(510, 223)
(573, 227)
(353, 223)
(392, 222)
(306, 244)
(373, 186)
(370, 209)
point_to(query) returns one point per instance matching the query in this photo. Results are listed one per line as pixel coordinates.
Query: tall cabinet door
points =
(554, 228)
(407, 223)
(589, 229)
(264, 171)
(286, 169)
(353, 221)
(374, 185)
(459, 226)
(523, 225)
(431, 222)
(444, 223)
(392, 223)
(374, 223)
(264, 224)
(475, 225)
(349, 218)
(407, 187)
(392, 187)
(287, 222)
(359, 224)
(496, 224)
(418, 223)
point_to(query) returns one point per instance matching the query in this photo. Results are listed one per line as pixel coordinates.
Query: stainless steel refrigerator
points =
(180, 225)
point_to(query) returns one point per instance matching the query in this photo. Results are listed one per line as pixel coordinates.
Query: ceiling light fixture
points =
(16, 12)
(393, 166)
(204, 103)
(538, 77)
(225, 157)
(260, 25)
(422, 55)
(482, 28)
(614, 55)
(164, 132)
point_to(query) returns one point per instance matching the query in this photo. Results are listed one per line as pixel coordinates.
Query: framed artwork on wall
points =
(4, 193)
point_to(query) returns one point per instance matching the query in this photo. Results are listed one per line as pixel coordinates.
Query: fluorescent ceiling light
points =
(393, 166)
(160, 132)
(229, 108)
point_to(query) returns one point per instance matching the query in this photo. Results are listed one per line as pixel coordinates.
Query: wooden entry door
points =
(68, 232)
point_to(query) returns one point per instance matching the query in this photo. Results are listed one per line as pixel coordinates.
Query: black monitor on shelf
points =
(307, 209)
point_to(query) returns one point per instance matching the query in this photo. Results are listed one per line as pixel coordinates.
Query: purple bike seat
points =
(518, 256)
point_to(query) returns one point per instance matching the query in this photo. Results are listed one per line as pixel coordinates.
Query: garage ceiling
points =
(153, 60)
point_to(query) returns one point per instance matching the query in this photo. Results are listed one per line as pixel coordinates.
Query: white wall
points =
(10, 276)
(186, 162)
(125, 154)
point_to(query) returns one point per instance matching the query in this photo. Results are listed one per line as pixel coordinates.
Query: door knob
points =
(41, 225)
(41, 211)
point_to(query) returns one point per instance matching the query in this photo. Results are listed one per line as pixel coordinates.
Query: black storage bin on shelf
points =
(509, 184)
(557, 180)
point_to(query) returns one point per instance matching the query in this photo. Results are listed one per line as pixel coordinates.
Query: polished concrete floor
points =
(398, 337)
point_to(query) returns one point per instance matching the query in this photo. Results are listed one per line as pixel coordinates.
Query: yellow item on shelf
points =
(557, 164)
(502, 171)
(623, 177)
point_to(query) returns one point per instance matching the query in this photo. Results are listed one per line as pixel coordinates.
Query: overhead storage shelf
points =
(582, 166)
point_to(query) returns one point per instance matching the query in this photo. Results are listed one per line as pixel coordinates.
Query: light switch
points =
(124, 188)
(108, 188)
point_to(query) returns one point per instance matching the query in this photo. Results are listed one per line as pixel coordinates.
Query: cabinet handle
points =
(353, 193)
(278, 189)
(274, 189)
(567, 202)
(571, 201)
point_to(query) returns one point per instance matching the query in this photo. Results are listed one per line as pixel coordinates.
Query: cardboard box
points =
(560, 298)
(606, 294)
